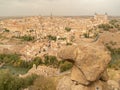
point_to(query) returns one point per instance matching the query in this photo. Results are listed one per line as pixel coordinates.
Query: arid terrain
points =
(29, 48)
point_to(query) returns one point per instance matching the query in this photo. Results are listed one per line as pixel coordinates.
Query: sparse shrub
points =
(72, 38)
(14, 60)
(12, 82)
(29, 64)
(6, 30)
(29, 80)
(31, 30)
(105, 27)
(9, 82)
(64, 66)
(115, 64)
(43, 83)
(37, 61)
(50, 37)
(62, 38)
(68, 44)
(86, 35)
(27, 38)
(51, 61)
(113, 43)
(68, 29)
(115, 54)
(9, 58)
(113, 21)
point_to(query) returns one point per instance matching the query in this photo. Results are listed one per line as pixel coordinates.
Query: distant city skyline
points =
(59, 7)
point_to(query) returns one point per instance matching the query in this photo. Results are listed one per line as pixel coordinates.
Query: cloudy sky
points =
(58, 7)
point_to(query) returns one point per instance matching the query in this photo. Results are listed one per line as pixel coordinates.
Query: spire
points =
(106, 13)
(95, 13)
(51, 15)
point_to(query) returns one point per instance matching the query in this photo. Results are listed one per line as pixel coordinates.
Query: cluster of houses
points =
(51, 33)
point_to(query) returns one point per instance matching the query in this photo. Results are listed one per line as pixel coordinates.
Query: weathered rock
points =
(98, 85)
(64, 84)
(114, 85)
(78, 75)
(90, 59)
(104, 76)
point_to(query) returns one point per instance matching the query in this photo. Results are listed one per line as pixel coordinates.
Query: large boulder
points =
(90, 62)
(66, 84)
(98, 85)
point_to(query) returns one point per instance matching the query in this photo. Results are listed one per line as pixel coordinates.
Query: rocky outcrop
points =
(114, 85)
(66, 84)
(90, 63)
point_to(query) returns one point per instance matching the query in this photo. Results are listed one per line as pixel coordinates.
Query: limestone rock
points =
(90, 58)
(98, 85)
(64, 84)
(104, 76)
(114, 85)
(78, 75)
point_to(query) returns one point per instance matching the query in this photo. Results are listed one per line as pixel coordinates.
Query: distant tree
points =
(105, 27)
(50, 37)
(65, 65)
(12, 82)
(6, 30)
(68, 29)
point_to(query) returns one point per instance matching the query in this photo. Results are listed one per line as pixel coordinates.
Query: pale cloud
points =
(58, 7)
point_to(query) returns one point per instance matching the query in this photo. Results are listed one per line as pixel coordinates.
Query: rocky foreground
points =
(89, 72)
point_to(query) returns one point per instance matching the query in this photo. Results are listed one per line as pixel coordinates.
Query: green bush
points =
(86, 35)
(105, 27)
(50, 37)
(6, 30)
(29, 80)
(12, 82)
(9, 58)
(25, 38)
(37, 61)
(51, 61)
(68, 44)
(9, 82)
(65, 65)
(29, 64)
(115, 58)
(14, 60)
(68, 29)
(62, 38)
(115, 64)
(113, 21)
(43, 83)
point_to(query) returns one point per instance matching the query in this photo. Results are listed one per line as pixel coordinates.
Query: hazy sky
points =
(58, 7)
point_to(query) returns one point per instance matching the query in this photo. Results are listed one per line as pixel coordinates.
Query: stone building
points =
(101, 18)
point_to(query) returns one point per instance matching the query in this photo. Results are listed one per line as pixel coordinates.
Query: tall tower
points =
(51, 15)
(95, 16)
(106, 17)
